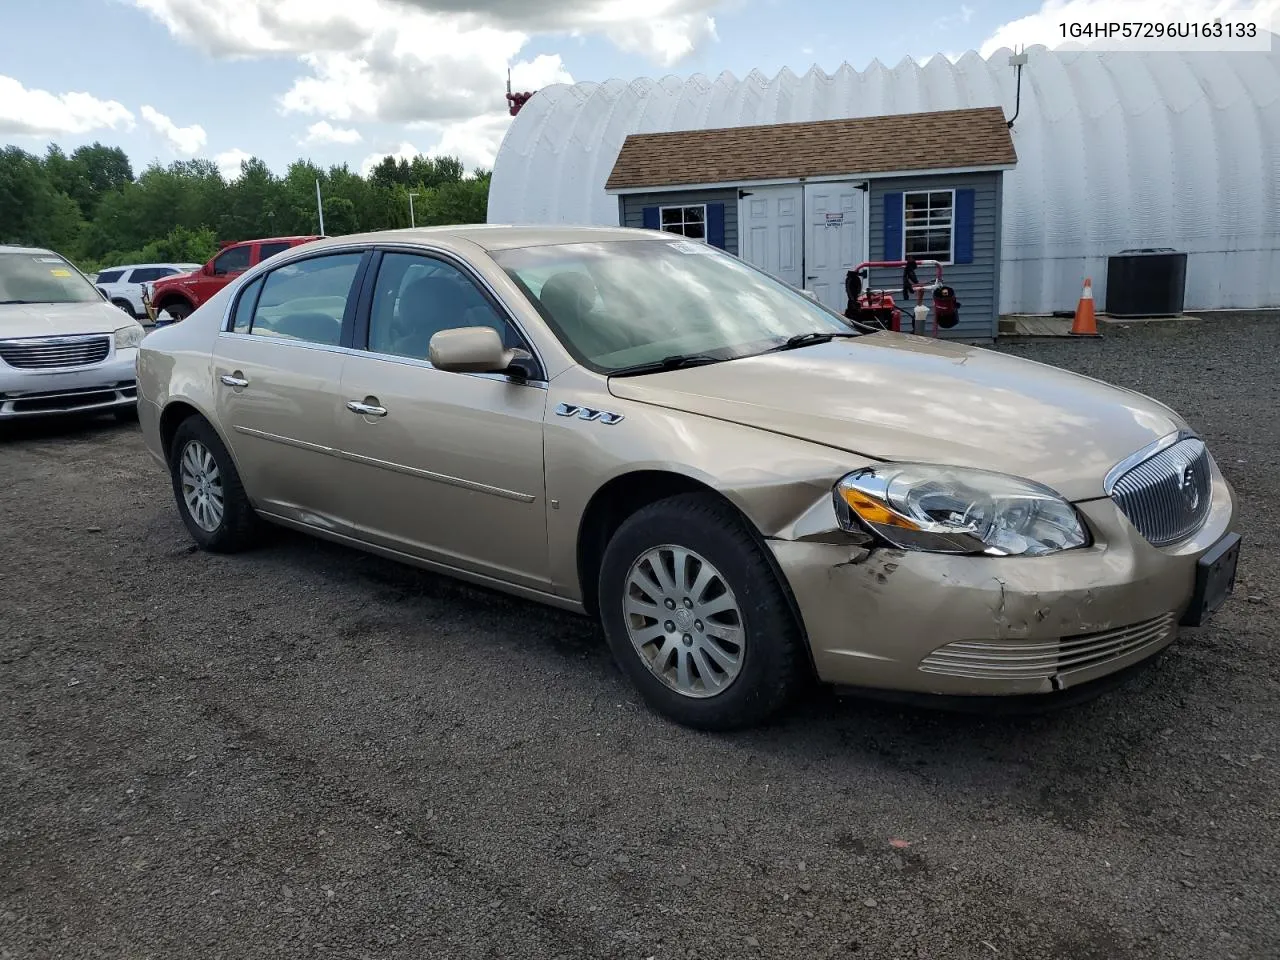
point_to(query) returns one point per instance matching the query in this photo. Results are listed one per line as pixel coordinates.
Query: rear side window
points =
(231, 260)
(306, 300)
(110, 276)
(147, 274)
(266, 250)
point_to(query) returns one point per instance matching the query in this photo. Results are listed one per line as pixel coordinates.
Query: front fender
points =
(782, 485)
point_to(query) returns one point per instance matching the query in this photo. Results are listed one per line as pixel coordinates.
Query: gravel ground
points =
(305, 751)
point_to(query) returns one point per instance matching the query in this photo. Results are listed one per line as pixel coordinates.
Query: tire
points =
(125, 306)
(769, 667)
(236, 527)
(179, 310)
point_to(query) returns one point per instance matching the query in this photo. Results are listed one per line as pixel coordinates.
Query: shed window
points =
(688, 221)
(927, 227)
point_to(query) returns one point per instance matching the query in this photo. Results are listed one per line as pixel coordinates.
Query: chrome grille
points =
(48, 352)
(1165, 493)
(1003, 660)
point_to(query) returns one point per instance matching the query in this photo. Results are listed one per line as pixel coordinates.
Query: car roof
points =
(495, 236)
(8, 249)
(144, 266)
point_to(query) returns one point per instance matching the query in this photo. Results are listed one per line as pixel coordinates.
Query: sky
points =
(350, 81)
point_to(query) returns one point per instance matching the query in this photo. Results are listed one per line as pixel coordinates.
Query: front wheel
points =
(696, 617)
(178, 311)
(211, 498)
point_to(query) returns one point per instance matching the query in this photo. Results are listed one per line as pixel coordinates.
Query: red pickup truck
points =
(179, 295)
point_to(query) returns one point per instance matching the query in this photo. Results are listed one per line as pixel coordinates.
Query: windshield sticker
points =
(691, 246)
(60, 273)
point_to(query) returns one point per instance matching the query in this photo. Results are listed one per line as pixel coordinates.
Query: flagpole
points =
(320, 206)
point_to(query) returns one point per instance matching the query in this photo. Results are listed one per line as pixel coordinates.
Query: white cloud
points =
(1045, 25)
(475, 142)
(255, 27)
(436, 75)
(187, 141)
(438, 61)
(229, 162)
(666, 41)
(25, 112)
(325, 132)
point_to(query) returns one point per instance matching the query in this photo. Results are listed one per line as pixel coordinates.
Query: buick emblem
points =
(1187, 486)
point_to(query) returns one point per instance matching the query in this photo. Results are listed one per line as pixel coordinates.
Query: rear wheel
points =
(207, 486)
(124, 305)
(696, 617)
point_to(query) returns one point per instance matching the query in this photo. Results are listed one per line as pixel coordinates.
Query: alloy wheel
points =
(684, 621)
(202, 486)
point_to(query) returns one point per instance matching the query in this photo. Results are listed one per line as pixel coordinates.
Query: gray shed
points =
(809, 201)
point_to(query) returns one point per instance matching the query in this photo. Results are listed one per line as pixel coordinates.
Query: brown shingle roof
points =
(947, 139)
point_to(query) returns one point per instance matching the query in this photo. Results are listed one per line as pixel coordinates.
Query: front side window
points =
(690, 221)
(305, 300)
(231, 260)
(43, 278)
(110, 276)
(148, 274)
(621, 303)
(927, 225)
(416, 297)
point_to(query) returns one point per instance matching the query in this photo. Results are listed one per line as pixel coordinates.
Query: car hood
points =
(891, 396)
(59, 319)
(174, 278)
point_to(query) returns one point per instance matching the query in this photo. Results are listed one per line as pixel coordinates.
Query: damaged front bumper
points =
(975, 626)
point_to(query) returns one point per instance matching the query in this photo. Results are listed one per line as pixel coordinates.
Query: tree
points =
(90, 207)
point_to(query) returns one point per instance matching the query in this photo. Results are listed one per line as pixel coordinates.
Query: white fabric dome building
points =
(1115, 151)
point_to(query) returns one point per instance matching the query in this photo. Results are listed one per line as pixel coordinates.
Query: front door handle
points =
(366, 409)
(231, 381)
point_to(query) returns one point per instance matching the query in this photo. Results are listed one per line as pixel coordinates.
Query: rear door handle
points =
(231, 381)
(366, 409)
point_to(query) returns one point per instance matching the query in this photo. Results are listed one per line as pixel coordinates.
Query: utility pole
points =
(320, 206)
(412, 221)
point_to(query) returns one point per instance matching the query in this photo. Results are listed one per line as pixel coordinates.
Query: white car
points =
(123, 286)
(63, 348)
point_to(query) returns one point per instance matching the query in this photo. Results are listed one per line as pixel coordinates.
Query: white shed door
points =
(771, 231)
(834, 239)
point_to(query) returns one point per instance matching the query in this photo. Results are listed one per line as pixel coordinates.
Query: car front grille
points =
(49, 352)
(1165, 495)
(1003, 660)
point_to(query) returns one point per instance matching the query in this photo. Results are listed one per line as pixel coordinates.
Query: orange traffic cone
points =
(1085, 323)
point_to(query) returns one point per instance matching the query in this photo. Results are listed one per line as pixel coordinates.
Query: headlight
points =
(957, 510)
(130, 336)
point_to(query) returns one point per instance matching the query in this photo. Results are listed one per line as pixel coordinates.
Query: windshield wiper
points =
(6, 302)
(666, 363)
(815, 336)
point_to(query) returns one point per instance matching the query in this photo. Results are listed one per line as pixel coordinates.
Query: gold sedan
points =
(747, 490)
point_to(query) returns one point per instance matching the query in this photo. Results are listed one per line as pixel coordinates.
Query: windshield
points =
(42, 278)
(619, 304)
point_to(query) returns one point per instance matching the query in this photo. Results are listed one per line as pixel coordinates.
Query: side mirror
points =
(207, 270)
(470, 350)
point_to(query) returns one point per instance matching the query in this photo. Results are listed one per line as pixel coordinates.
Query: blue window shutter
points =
(893, 226)
(964, 226)
(715, 224)
(651, 219)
